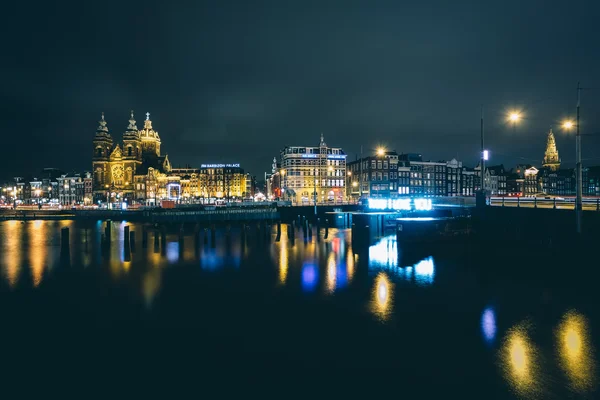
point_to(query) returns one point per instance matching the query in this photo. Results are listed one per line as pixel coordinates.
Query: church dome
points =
(147, 132)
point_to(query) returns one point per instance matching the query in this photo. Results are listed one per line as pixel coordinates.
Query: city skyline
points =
(234, 83)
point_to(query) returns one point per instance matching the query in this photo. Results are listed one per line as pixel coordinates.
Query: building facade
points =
(134, 170)
(317, 172)
(377, 175)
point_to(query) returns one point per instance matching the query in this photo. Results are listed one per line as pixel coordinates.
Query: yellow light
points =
(349, 173)
(514, 116)
(355, 184)
(568, 125)
(283, 262)
(331, 273)
(575, 351)
(381, 303)
(380, 151)
(519, 361)
(283, 172)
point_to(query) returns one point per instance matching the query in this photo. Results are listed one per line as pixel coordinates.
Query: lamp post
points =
(282, 173)
(348, 178)
(578, 174)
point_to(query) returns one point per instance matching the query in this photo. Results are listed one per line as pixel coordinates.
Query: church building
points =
(133, 170)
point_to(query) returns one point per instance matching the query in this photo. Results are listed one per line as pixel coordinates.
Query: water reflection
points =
(331, 272)
(310, 276)
(488, 324)
(519, 361)
(382, 296)
(283, 263)
(38, 250)
(576, 352)
(12, 252)
(383, 255)
(151, 285)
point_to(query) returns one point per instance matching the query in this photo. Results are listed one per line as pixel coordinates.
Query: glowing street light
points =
(380, 151)
(514, 117)
(568, 125)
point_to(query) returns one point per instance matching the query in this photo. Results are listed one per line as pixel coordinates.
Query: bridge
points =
(563, 203)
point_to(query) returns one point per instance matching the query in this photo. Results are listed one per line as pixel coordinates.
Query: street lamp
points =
(282, 172)
(380, 151)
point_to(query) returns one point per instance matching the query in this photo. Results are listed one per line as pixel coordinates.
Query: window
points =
(129, 151)
(99, 152)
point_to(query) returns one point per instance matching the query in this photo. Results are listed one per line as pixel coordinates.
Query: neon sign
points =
(219, 165)
(406, 204)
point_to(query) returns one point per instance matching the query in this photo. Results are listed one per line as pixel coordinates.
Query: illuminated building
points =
(211, 181)
(426, 178)
(309, 172)
(495, 180)
(374, 176)
(551, 160)
(134, 170)
(469, 181)
(70, 189)
(453, 177)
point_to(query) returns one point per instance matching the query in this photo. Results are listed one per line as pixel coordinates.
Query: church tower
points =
(150, 139)
(551, 160)
(132, 152)
(102, 144)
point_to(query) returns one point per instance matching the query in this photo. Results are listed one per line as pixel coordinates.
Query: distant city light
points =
(486, 155)
(380, 151)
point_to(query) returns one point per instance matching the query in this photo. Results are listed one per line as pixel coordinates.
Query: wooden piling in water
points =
(132, 240)
(278, 237)
(126, 235)
(163, 241)
(326, 228)
(156, 245)
(64, 241)
(144, 238)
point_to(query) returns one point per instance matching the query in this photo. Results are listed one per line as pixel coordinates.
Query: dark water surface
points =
(509, 323)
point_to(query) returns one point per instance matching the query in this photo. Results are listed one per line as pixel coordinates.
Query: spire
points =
(147, 122)
(322, 140)
(132, 126)
(102, 128)
(551, 159)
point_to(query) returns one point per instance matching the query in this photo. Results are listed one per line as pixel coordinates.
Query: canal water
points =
(500, 323)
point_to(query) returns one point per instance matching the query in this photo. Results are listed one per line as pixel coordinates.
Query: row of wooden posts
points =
(160, 236)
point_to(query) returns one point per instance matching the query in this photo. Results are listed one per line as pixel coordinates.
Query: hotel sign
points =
(219, 165)
(330, 156)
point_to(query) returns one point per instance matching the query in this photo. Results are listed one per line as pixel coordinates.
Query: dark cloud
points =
(236, 81)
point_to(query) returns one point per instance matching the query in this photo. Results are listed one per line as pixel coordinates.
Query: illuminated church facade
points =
(134, 169)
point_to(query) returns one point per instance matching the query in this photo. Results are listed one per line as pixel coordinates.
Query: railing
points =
(554, 202)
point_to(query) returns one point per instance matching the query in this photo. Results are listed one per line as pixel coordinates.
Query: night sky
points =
(229, 81)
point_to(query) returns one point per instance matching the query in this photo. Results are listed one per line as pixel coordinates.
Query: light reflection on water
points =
(383, 255)
(576, 352)
(519, 360)
(488, 324)
(12, 251)
(31, 250)
(382, 297)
